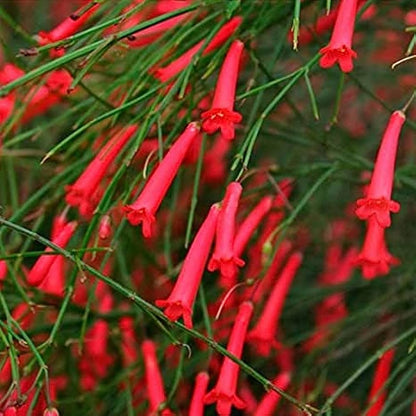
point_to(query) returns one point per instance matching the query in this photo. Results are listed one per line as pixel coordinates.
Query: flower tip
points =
(174, 310)
(260, 342)
(148, 347)
(297, 256)
(247, 304)
(238, 44)
(343, 55)
(51, 412)
(400, 113)
(194, 126)
(135, 216)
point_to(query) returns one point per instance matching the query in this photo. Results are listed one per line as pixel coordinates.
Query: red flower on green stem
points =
(54, 282)
(197, 402)
(180, 301)
(339, 47)
(378, 202)
(144, 208)
(80, 193)
(179, 64)
(271, 399)
(374, 257)
(259, 290)
(154, 382)
(67, 28)
(224, 392)
(377, 394)
(40, 269)
(250, 224)
(224, 257)
(222, 116)
(264, 333)
(3, 270)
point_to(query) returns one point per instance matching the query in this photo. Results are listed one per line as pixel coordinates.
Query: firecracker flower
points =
(144, 208)
(377, 394)
(271, 399)
(181, 300)
(154, 383)
(259, 290)
(374, 257)
(40, 269)
(54, 282)
(224, 257)
(224, 392)
(263, 335)
(222, 116)
(179, 64)
(67, 28)
(80, 193)
(3, 270)
(339, 47)
(250, 224)
(378, 202)
(196, 407)
(128, 341)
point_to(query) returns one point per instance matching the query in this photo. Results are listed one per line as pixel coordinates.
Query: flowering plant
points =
(196, 201)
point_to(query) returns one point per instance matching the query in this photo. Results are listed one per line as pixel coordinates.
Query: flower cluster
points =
(170, 230)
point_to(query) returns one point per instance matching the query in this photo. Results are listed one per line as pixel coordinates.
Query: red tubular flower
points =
(39, 99)
(339, 47)
(248, 397)
(181, 300)
(224, 257)
(79, 194)
(154, 383)
(179, 64)
(129, 344)
(150, 34)
(268, 404)
(96, 361)
(197, 402)
(10, 73)
(250, 224)
(323, 24)
(246, 229)
(377, 394)
(6, 108)
(259, 290)
(263, 334)
(67, 28)
(378, 199)
(48, 95)
(276, 215)
(143, 210)
(54, 282)
(40, 269)
(104, 229)
(98, 334)
(222, 116)
(374, 257)
(224, 392)
(3, 270)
